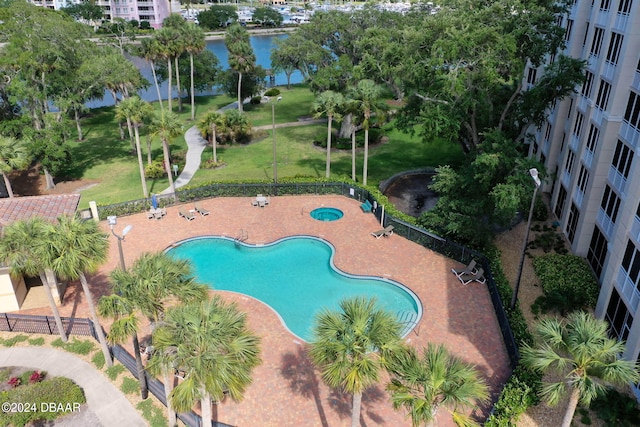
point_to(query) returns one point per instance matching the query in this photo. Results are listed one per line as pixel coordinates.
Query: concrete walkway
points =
(196, 145)
(107, 405)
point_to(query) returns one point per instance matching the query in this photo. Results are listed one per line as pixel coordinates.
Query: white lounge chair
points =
(189, 216)
(465, 278)
(469, 269)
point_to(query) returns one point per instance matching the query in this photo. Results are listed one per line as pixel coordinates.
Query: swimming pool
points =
(294, 276)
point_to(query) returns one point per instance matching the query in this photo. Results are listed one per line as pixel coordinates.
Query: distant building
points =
(152, 11)
(589, 145)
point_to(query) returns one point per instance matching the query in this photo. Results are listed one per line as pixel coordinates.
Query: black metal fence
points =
(46, 325)
(409, 231)
(157, 388)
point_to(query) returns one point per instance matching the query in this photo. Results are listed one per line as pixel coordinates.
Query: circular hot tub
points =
(326, 214)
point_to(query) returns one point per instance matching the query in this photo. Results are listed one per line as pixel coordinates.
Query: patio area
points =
(286, 390)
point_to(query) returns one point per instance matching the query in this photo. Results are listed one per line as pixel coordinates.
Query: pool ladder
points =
(409, 321)
(241, 237)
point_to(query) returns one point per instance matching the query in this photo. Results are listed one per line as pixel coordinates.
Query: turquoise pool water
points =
(294, 276)
(326, 214)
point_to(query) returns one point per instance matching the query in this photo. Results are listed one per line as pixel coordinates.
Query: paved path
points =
(196, 145)
(107, 405)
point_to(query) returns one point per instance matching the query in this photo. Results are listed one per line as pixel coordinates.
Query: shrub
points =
(14, 340)
(36, 377)
(155, 170)
(210, 164)
(616, 409)
(114, 371)
(520, 392)
(75, 346)
(274, 91)
(98, 360)
(567, 283)
(14, 382)
(540, 212)
(154, 415)
(129, 385)
(256, 100)
(36, 341)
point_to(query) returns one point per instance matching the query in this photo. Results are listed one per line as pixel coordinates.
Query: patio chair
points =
(469, 269)
(467, 278)
(386, 232)
(189, 216)
(202, 211)
(151, 213)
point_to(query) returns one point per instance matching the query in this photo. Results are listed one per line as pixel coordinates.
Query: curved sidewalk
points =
(108, 403)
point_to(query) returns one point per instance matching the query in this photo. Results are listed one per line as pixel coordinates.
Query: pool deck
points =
(286, 390)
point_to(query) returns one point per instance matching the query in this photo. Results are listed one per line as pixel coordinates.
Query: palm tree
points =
(581, 351)
(367, 95)
(166, 127)
(77, 247)
(194, 43)
(329, 104)
(135, 110)
(209, 126)
(154, 281)
(22, 250)
(242, 59)
(350, 347)
(13, 156)
(166, 43)
(149, 50)
(422, 385)
(211, 343)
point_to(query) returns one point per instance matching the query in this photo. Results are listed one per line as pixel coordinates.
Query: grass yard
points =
(110, 165)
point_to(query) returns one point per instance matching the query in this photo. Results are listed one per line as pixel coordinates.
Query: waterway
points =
(262, 46)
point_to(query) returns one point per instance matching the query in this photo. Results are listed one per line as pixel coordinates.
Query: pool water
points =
(326, 214)
(294, 276)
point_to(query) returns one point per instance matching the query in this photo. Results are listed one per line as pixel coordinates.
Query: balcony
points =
(617, 180)
(609, 70)
(587, 158)
(566, 179)
(592, 62)
(583, 103)
(578, 196)
(630, 134)
(597, 116)
(635, 230)
(574, 143)
(603, 18)
(605, 223)
(628, 290)
(573, 11)
(545, 147)
(620, 23)
(636, 81)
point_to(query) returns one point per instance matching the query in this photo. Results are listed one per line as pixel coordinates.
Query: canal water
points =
(262, 46)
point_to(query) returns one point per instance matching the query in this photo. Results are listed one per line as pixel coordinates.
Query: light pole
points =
(534, 174)
(273, 130)
(113, 220)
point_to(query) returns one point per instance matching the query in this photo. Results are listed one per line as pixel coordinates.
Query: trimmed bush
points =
(114, 371)
(36, 341)
(75, 346)
(155, 170)
(14, 340)
(567, 282)
(256, 100)
(130, 386)
(154, 415)
(274, 91)
(98, 360)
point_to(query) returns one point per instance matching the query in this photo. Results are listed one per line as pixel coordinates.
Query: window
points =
(597, 251)
(592, 139)
(603, 95)
(562, 197)
(610, 203)
(613, 53)
(583, 179)
(632, 114)
(568, 166)
(572, 222)
(531, 75)
(587, 85)
(567, 33)
(631, 262)
(564, 137)
(577, 126)
(618, 317)
(586, 33)
(622, 158)
(604, 4)
(547, 132)
(624, 7)
(596, 43)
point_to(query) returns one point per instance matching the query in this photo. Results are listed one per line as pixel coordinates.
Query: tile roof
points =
(48, 207)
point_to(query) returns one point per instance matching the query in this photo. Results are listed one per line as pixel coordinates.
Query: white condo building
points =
(152, 11)
(591, 147)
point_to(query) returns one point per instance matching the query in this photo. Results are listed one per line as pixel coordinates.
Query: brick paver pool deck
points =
(286, 391)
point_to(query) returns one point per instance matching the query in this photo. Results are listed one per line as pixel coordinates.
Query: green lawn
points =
(104, 158)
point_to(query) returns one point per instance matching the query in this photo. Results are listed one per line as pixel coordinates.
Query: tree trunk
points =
(155, 81)
(355, 410)
(54, 307)
(167, 163)
(140, 163)
(366, 156)
(328, 168)
(131, 138)
(168, 388)
(179, 87)
(193, 100)
(205, 404)
(142, 379)
(76, 115)
(353, 154)
(170, 79)
(214, 143)
(239, 92)
(120, 128)
(571, 407)
(148, 148)
(347, 127)
(289, 81)
(7, 184)
(96, 321)
(49, 179)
